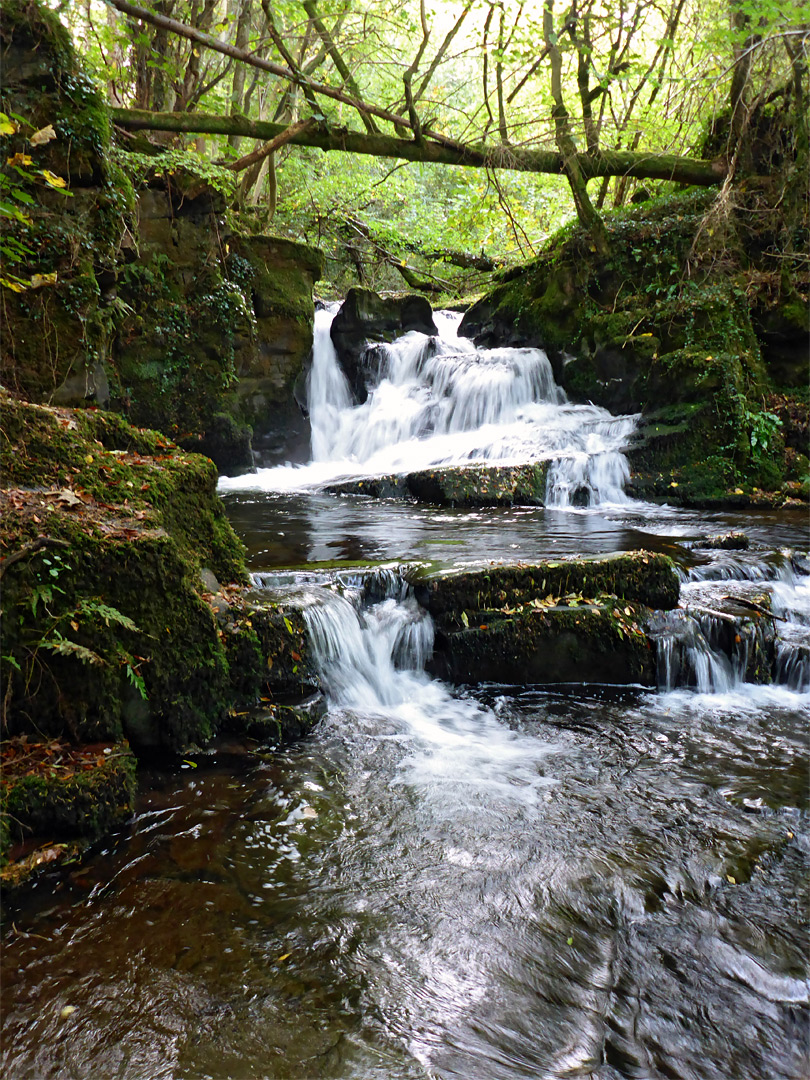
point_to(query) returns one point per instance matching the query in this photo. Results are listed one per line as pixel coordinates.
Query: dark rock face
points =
(226, 442)
(557, 646)
(218, 328)
(364, 318)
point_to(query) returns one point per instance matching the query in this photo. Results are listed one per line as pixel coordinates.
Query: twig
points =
(29, 549)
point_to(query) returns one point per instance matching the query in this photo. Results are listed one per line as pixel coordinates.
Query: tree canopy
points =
(604, 95)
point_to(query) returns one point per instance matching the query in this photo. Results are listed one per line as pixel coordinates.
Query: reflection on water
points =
(291, 530)
(342, 910)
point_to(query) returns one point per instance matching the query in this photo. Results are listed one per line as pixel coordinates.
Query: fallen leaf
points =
(53, 180)
(44, 135)
(39, 280)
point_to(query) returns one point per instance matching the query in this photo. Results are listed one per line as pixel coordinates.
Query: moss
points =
(664, 323)
(120, 609)
(102, 455)
(639, 576)
(86, 802)
(481, 485)
(124, 605)
(74, 236)
(582, 644)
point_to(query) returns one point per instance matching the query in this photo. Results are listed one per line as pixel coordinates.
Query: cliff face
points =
(147, 303)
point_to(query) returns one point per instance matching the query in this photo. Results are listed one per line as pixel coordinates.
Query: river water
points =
(498, 882)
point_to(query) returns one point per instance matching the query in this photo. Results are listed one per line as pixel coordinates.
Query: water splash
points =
(372, 659)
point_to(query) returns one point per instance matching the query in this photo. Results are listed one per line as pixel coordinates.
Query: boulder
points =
(642, 577)
(586, 644)
(364, 318)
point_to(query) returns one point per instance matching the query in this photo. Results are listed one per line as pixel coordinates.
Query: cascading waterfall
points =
(716, 653)
(372, 659)
(438, 401)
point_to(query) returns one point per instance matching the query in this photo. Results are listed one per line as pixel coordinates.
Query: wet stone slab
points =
(458, 485)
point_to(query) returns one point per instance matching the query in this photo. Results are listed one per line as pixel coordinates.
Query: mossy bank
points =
(141, 297)
(687, 322)
(124, 613)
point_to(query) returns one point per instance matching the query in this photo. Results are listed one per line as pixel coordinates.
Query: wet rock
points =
(376, 487)
(730, 541)
(458, 485)
(226, 442)
(269, 651)
(366, 317)
(276, 723)
(481, 485)
(639, 576)
(586, 644)
(52, 790)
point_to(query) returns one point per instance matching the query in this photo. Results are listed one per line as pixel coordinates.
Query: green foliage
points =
(48, 618)
(184, 164)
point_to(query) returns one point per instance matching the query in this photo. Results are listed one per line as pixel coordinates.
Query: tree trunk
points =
(572, 165)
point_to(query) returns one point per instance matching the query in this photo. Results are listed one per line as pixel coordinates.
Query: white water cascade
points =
(372, 658)
(435, 401)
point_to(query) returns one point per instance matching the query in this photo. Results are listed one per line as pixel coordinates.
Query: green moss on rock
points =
(557, 645)
(639, 576)
(85, 800)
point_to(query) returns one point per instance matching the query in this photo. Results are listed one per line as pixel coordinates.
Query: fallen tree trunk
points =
(644, 166)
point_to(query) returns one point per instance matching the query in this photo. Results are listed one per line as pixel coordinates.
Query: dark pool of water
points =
(505, 884)
(291, 530)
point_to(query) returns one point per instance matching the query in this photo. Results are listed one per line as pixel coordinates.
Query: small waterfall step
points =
(622, 619)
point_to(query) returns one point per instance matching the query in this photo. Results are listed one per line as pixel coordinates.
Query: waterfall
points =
(371, 657)
(440, 401)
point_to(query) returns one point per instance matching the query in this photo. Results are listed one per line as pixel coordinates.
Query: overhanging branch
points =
(643, 166)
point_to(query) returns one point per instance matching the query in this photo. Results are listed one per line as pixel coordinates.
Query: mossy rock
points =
(556, 645)
(458, 485)
(82, 796)
(638, 576)
(106, 631)
(278, 725)
(481, 485)
(102, 455)
(375, 487)
(73, 234)
(664, 323)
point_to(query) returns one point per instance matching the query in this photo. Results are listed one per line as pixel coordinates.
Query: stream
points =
(488, 883)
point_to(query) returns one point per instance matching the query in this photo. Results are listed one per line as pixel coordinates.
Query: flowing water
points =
(440, 401)
(500, 882)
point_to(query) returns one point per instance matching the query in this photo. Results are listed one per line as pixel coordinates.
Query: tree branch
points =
(644, 166)
(270, 147)
(29, 549)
